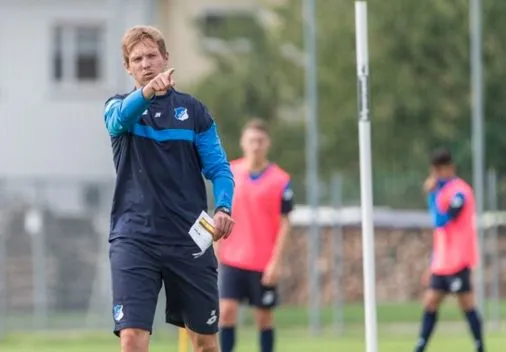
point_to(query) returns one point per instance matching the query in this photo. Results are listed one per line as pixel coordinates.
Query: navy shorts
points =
(459, 282)
(246, 286)
(191, 286)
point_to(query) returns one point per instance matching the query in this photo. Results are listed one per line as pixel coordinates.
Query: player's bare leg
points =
(431, 302)
(264, 319)
(204, 342)
(433, 299)
(134, 340)
(468, 306)
(228, 320)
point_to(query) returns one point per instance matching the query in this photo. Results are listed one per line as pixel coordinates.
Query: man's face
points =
(255, 144)
(443, 171)
(146, 61)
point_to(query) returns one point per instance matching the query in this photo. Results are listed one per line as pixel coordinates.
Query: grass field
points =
(289, 340)
(397, 325)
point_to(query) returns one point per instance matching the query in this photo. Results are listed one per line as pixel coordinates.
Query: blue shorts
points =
(246, 286)
(458, 283)
(191, 286)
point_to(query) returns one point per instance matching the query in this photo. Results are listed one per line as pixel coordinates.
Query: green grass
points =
(445, 339)
(397, 325)
(286, 317)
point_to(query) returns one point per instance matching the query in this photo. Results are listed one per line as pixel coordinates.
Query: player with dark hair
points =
(250, 260)
(163, 141)
(455, 250)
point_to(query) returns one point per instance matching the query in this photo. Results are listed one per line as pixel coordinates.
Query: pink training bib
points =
(257, 213)
(455, 244)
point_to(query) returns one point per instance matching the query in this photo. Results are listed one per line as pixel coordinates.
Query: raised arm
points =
(441, 217)
(121, 114)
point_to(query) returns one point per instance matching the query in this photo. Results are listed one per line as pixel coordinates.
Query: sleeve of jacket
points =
(215, 165)
(441, 218)
(122, 113)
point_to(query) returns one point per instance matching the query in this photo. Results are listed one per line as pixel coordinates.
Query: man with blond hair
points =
(163, 141)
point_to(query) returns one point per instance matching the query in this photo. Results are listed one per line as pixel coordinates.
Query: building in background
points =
(218, 20)
(60, 60)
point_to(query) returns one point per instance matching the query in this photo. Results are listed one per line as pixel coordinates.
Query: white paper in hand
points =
(202, 233)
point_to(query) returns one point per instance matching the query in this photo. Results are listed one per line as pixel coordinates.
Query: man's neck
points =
(256, 165)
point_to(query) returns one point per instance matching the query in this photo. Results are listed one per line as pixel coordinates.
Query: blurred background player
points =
(250, 260)
(455, 250)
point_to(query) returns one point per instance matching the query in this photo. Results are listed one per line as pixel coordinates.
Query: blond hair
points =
(136, 34)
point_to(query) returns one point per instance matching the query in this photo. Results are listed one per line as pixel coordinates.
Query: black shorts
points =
(246, 286)
(191, 286)
(459, 282)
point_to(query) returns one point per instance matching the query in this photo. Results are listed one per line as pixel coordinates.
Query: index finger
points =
(169, 72)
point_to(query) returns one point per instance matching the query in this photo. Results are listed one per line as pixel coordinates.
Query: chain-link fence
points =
(54, 253)
(54, 266)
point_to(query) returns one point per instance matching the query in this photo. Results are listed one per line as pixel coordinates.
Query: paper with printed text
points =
(202, 232)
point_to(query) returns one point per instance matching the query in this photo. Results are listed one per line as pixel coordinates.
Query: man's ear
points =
(166, 59)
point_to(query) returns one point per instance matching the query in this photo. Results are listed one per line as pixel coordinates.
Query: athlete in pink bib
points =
(250, 258)
(455, 248)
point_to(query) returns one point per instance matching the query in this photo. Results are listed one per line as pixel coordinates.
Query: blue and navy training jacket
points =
(161, 147)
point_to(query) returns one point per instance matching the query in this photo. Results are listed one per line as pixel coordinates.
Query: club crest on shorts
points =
(117, 312)
(268, 298)
(456, 285)
(181, 114)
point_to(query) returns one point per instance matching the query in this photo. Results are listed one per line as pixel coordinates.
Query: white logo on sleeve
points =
(457, 202)
(288, 194)
(213, 318)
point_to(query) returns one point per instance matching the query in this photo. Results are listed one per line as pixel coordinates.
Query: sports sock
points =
(227, 338)
(474, 320)
(428, 322)
(266, 340)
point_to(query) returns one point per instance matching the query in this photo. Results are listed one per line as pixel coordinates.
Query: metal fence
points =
(54, 253)
(54, 268)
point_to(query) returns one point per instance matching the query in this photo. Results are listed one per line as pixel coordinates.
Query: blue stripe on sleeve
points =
(215, 166)
(121, 114)
(163, 135)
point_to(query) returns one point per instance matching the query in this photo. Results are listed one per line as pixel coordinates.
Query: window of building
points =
(229, 29)
(77, 53)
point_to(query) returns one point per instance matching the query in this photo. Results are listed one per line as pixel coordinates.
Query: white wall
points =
(45, 131)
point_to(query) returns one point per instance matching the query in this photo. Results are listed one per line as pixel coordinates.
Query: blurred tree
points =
(419, 62)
